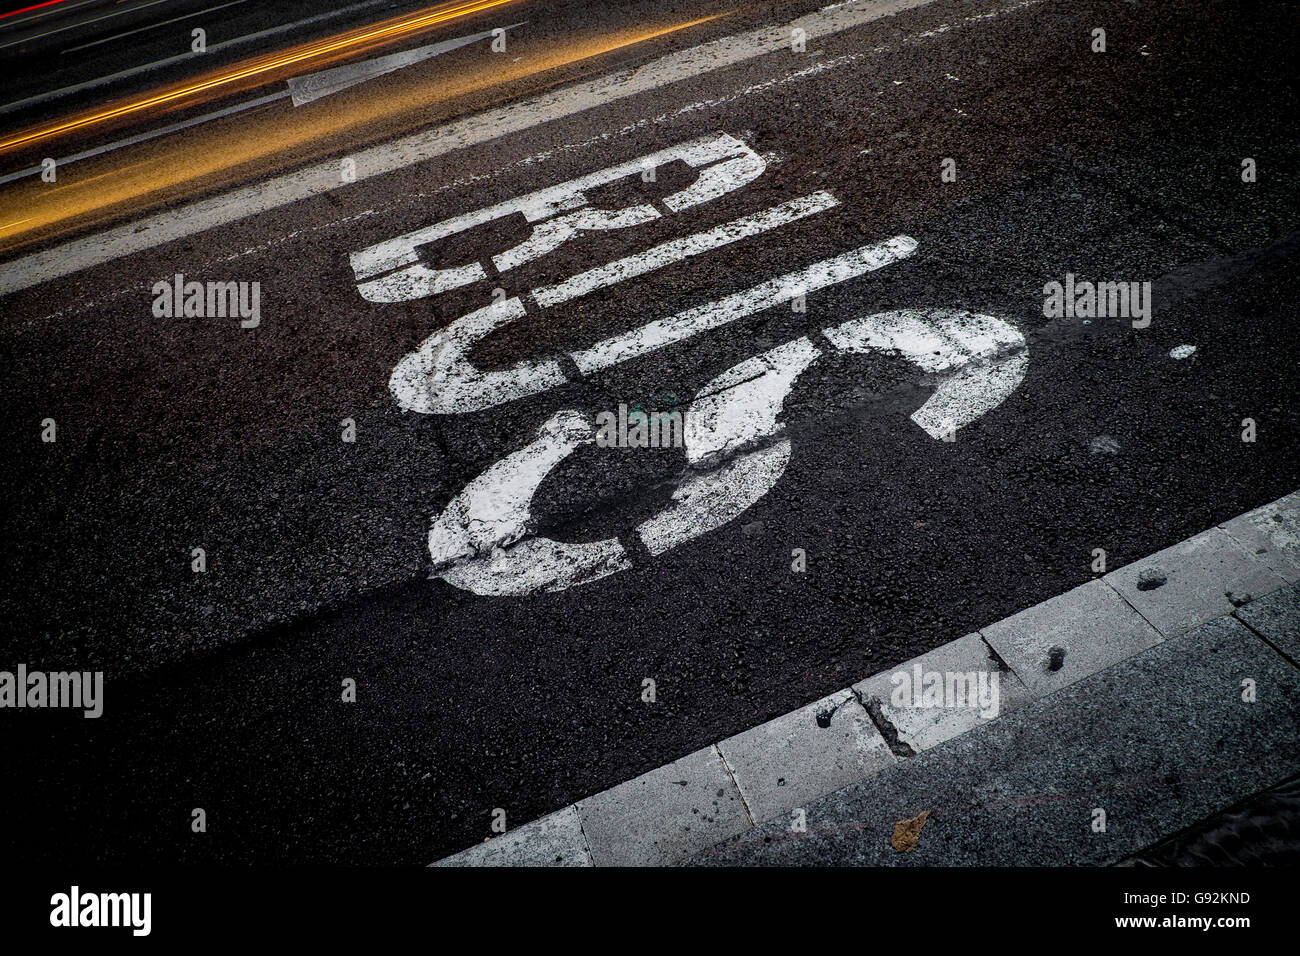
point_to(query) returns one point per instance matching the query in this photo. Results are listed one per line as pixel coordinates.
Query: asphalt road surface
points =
(224, 688)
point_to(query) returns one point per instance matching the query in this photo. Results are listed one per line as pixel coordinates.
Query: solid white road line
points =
(471, 131)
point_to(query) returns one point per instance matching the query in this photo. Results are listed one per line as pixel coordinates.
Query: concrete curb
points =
(735, 785)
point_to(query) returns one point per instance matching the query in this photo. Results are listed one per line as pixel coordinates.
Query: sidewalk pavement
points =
(1128, 710)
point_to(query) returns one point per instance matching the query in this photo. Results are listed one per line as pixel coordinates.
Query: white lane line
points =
(168, 61)
(471, 131)
(678, 249)
(152, 134)
(303, 89)
(152, 26)
(82, 23)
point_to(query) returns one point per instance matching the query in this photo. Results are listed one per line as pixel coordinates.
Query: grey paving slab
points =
(664, 815)
(805, 754)
(965, 665)
(554, 840)
(1272, 533)
(1194, 581)
(1069, 637)
(1159, 741)
(1277, 617)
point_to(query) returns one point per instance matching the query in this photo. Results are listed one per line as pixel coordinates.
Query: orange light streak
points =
(259, 67)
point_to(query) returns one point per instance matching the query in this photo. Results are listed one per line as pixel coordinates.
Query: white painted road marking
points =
(558, 214)
(152, 134)
(819, 67)
(439, 379)
(313, 86)
(656, 335)
(705, 501)
(152, 26)
(81, 23)
(678, 250)
(739, 408)
(957, 344)
(482, 541)
(41, 10)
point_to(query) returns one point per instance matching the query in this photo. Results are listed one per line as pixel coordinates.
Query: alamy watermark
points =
(921, 688)
(75, 908)
(1101, 300)
(640, 429)
(78, 690)
(208, 300)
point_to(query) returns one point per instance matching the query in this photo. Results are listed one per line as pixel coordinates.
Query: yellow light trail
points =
(231, 150)
(365, 37)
